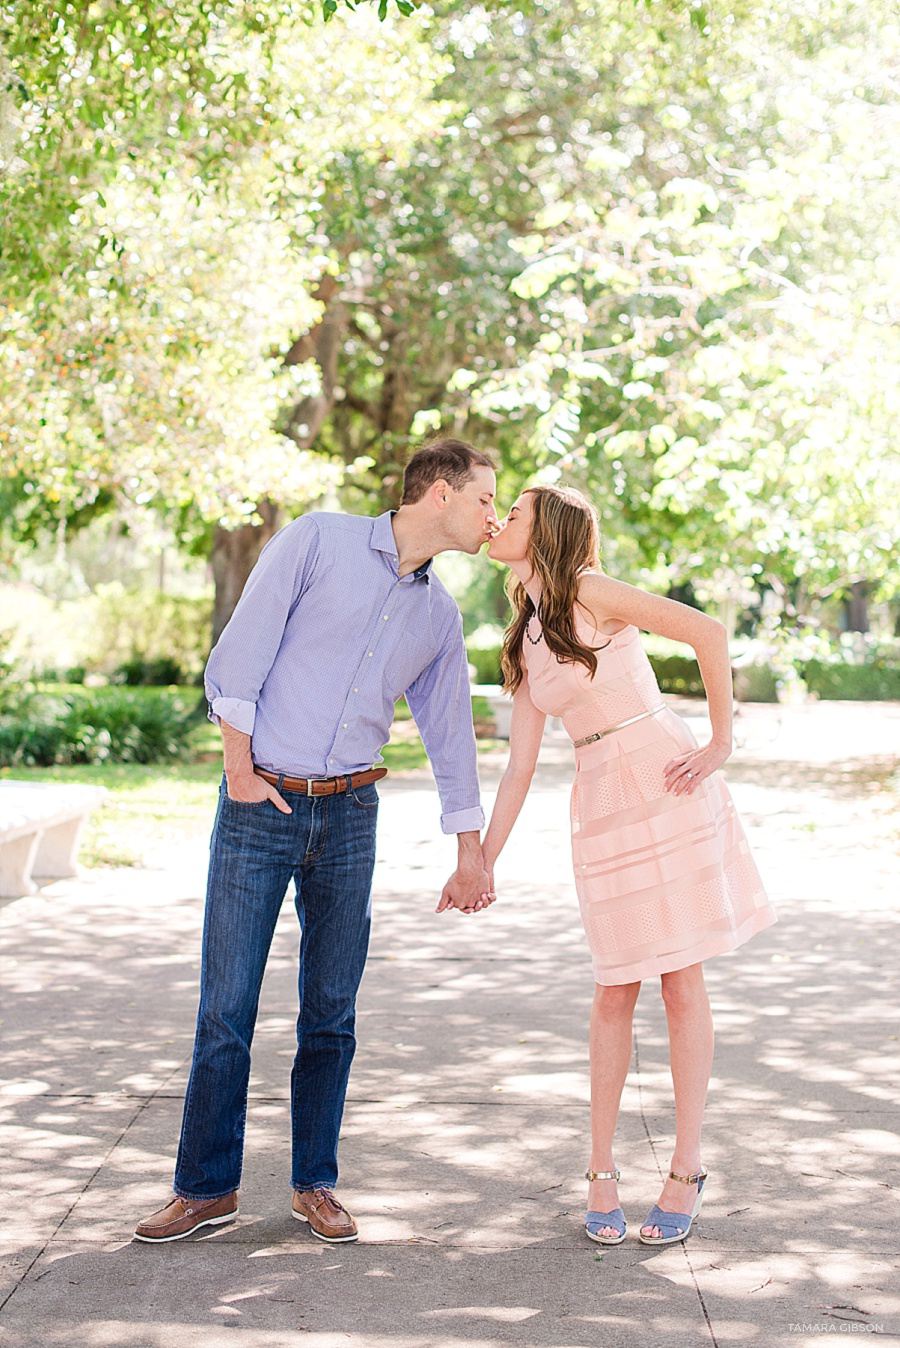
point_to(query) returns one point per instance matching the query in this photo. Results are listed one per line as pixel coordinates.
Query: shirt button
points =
(345, 725)
(385, 617)
(356, 690)
(370, 655)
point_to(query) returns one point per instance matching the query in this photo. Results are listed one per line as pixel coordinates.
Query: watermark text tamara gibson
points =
(842, 1327)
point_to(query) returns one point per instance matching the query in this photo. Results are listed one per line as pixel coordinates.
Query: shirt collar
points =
(382, 540)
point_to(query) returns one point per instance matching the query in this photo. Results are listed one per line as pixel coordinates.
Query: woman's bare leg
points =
(691, 1056)
(611, 1019)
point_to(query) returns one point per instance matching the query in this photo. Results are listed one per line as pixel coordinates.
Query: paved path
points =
(466, 1130)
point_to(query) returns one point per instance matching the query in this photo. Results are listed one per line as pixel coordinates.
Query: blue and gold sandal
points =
(675, 1226)
(594, 1222)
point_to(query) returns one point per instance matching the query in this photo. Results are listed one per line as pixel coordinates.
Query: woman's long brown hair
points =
(565, 540)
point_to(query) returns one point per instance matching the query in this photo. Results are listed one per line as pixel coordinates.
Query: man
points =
(340, 617)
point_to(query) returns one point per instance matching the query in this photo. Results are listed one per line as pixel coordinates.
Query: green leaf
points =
(589, 369)
(556, 213)
(537, 278)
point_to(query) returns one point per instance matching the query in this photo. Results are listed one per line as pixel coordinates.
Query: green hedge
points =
(877, 681)
(755, 683)
(160, 671)
(94, 726)
(485, 660)
(678, 674)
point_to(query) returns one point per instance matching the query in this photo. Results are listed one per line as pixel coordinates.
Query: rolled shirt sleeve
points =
(244, 654)
(441, 703)
(234, 711)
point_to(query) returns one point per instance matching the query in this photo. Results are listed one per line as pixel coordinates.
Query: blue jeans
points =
(328, 846)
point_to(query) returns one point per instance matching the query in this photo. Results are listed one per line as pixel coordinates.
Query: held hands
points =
(684, 773)
(469, 889)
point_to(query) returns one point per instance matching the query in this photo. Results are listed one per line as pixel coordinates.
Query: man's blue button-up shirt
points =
(325, 639)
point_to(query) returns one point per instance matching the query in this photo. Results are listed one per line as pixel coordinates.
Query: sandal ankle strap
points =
(689, 1179)
(601, 1174)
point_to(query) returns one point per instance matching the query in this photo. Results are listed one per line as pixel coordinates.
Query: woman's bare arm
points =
(525, 735)
(610, 600)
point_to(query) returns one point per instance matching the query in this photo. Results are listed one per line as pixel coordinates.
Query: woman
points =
(662, 868)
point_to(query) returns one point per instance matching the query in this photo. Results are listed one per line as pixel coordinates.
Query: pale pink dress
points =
(663, 880)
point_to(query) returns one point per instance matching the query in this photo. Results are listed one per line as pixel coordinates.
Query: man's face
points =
(471, 518)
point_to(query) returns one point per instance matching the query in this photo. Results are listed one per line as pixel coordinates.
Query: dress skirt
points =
(663, 880)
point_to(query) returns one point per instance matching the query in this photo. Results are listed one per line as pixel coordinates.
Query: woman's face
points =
(510, 542)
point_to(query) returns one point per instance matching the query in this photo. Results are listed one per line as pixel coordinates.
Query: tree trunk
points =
(324, 344)
(235, 553)
(856, 607)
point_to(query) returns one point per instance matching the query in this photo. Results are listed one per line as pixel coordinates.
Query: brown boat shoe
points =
(327, 1218)
(181, 1216)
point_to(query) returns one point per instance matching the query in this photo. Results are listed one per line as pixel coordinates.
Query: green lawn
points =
(151, 807)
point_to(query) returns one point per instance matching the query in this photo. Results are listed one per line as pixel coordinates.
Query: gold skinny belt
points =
(601, 734)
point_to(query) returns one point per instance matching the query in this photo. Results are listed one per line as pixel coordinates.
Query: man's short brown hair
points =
(452, 460)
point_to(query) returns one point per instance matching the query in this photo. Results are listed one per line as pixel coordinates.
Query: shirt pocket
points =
(412, 651)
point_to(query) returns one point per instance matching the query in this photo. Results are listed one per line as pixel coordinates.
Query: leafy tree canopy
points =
(647, 247)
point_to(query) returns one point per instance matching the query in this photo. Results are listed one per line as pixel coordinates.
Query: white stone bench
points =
(40, 829)
(500, 705)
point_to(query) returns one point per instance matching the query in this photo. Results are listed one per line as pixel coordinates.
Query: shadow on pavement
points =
(466, 1132)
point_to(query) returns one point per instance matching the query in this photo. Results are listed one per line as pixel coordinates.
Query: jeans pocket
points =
(364, 797)
(244, 804)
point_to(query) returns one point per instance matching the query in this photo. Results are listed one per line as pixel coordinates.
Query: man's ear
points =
(440, 490)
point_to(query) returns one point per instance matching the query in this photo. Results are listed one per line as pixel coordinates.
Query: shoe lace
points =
(325, 1198)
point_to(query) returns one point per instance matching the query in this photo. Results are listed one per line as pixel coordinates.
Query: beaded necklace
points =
(534, 640)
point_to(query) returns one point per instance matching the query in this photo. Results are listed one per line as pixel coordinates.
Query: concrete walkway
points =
(466, 1132)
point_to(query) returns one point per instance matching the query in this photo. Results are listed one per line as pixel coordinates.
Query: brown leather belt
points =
(322, 786)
